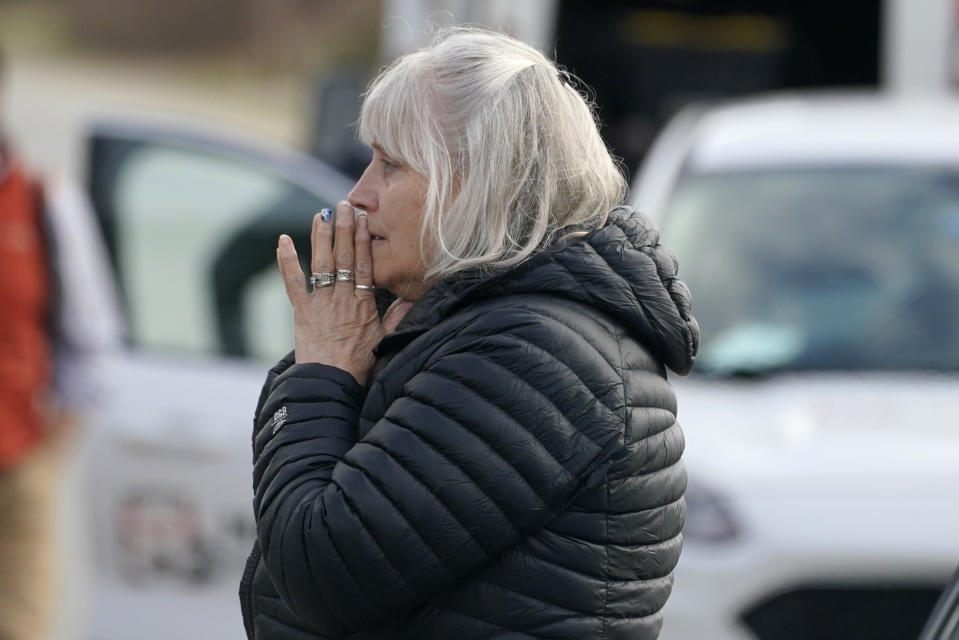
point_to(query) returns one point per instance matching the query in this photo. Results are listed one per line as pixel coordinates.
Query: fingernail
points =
(285, 241)
(326, 215)
(361, 221)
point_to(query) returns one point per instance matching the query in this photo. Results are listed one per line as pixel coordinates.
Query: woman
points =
(499, 456)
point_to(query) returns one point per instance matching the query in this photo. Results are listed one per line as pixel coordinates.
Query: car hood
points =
(842, 433)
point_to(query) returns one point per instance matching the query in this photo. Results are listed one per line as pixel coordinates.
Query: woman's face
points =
(392, 196)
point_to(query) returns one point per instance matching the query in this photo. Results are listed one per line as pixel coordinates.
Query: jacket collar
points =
(619, 269)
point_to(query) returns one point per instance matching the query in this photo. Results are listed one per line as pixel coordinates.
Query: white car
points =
(819, 235)
(191, 220)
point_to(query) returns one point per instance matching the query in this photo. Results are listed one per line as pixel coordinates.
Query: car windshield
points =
(833, 268)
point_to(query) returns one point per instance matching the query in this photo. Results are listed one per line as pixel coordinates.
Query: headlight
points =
(709, 518)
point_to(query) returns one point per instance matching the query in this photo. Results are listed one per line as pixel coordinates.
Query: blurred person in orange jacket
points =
(58, 319)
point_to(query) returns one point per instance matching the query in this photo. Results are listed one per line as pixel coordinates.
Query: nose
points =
(363, 195)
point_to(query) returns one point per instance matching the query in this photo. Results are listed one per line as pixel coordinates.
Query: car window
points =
(825, 268)
(194, 242)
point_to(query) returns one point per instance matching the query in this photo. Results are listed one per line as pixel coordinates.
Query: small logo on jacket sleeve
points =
(278, 419)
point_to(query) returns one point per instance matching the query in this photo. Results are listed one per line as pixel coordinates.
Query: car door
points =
(191, 221)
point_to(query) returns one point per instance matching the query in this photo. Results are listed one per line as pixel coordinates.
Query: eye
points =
(388, 165)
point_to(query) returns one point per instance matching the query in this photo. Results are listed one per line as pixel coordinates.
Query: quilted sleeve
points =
(490, 439)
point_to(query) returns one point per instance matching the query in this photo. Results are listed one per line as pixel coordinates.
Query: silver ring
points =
(344, 275)
(325, 279)
(364, 287)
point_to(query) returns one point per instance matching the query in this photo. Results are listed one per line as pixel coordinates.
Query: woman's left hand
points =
(335, 324)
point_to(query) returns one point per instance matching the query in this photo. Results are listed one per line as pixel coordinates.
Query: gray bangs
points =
(395, 114)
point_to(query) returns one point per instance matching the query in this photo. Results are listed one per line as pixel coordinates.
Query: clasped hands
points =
(337, 325)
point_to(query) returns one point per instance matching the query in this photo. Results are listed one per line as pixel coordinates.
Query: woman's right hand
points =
(335, 324)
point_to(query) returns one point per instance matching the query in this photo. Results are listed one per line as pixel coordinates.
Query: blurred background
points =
(801, 157)
(271, 67)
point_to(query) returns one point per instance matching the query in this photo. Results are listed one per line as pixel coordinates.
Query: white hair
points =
(510, 149)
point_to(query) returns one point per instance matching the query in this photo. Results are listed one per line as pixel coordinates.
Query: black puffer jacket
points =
(513, 471)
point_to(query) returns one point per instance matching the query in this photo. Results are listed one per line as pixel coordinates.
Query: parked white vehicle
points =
(191, 220)
(819, 235)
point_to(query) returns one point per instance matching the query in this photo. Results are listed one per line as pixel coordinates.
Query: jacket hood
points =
(619, 269)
